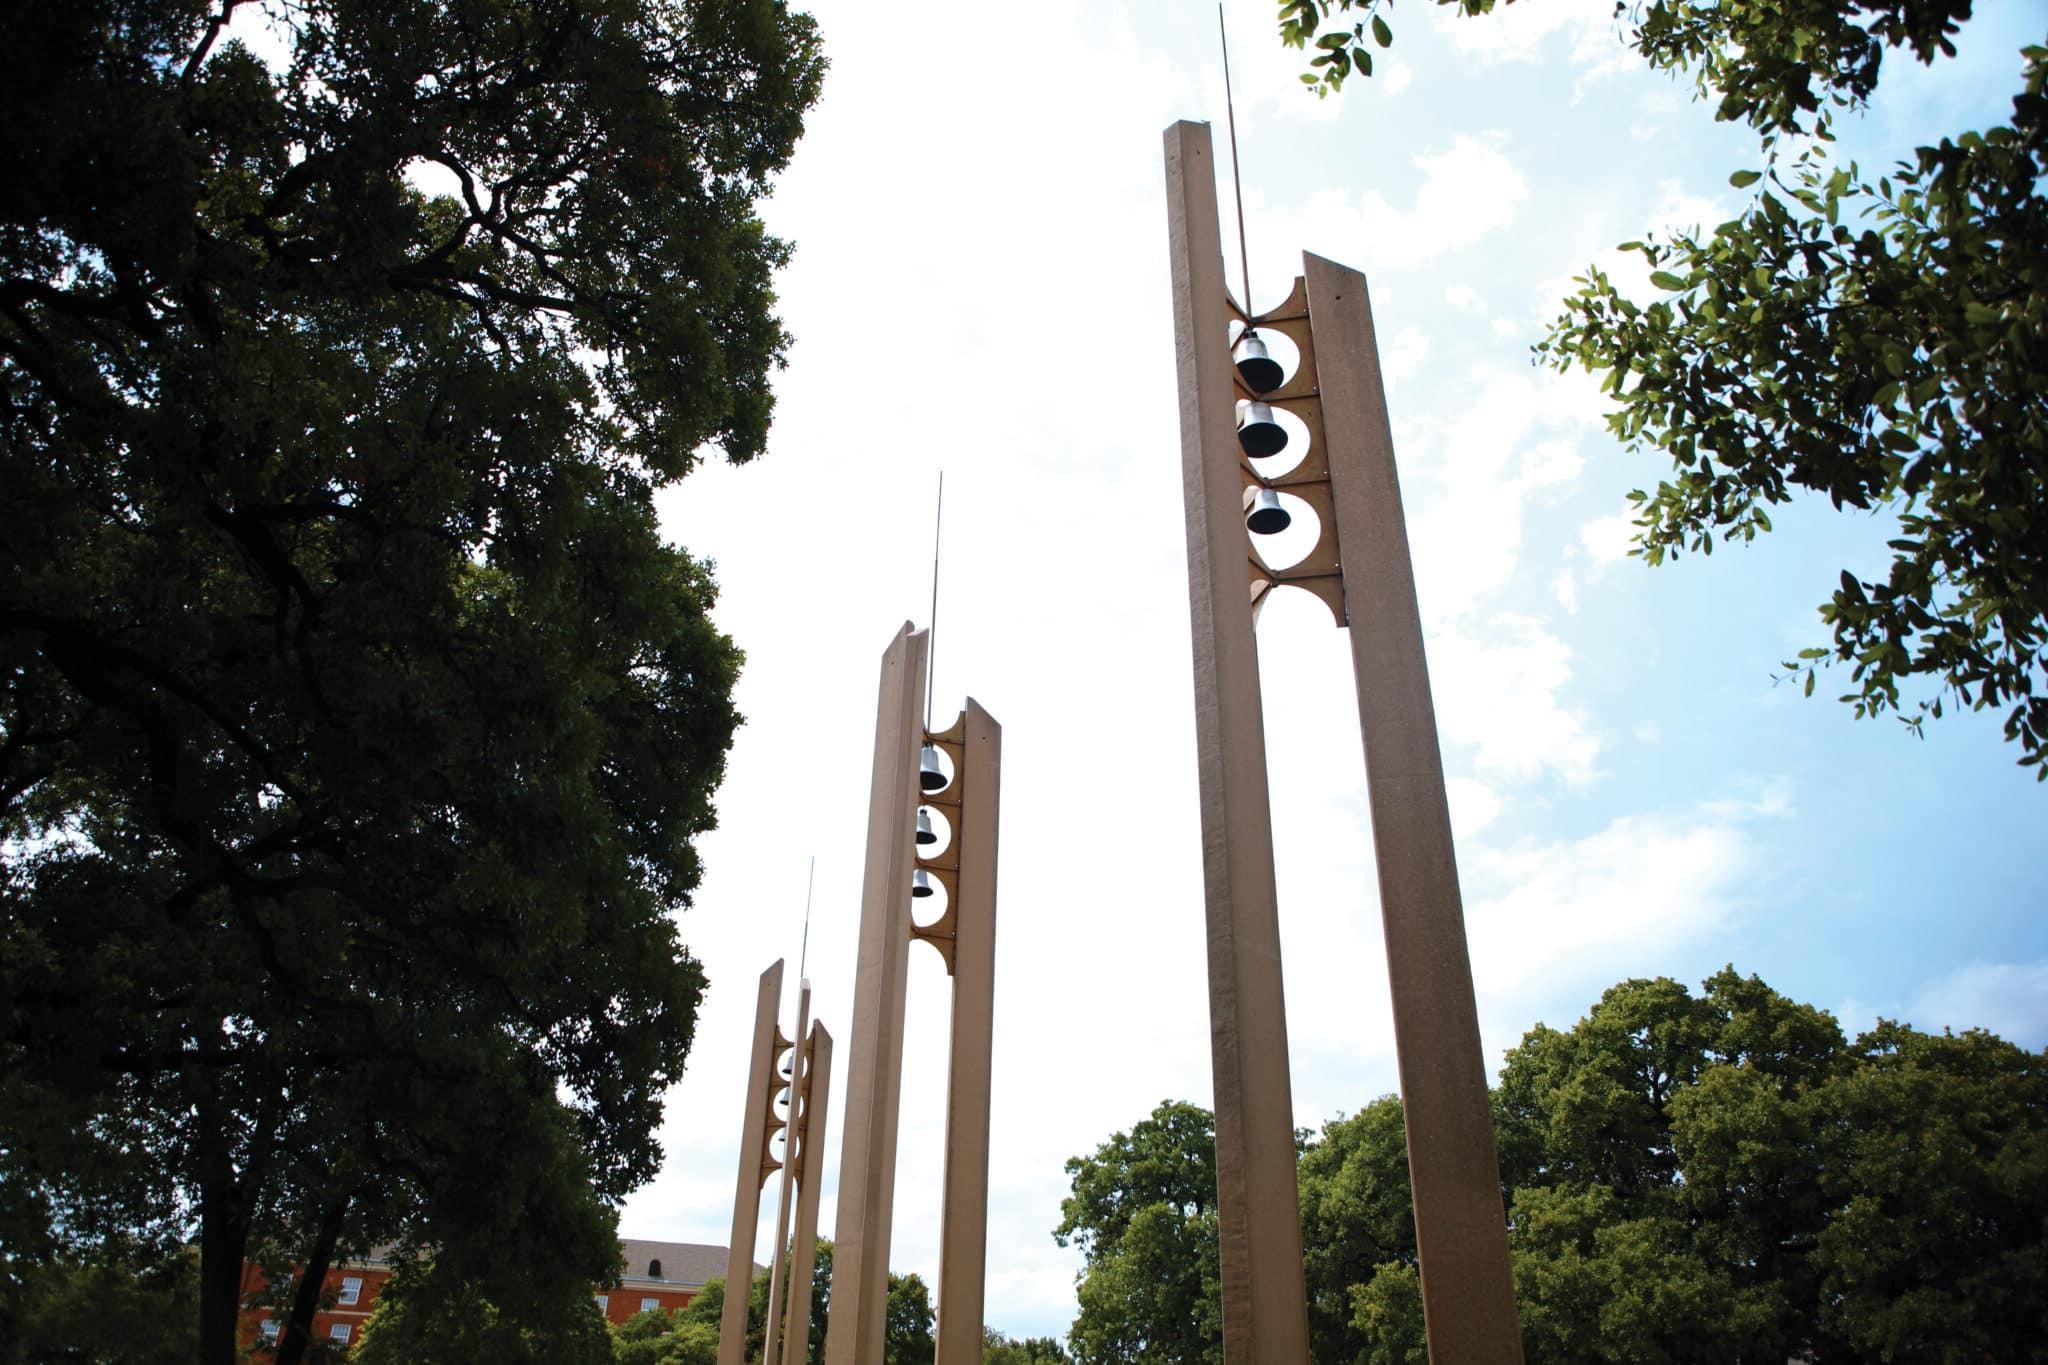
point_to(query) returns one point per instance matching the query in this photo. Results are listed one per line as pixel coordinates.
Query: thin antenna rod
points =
(804, 954)
(1236, 175)
(932, 639)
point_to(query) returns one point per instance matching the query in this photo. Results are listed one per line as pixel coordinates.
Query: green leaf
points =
(1742, 180)
(1664, 279)
(1381, 34)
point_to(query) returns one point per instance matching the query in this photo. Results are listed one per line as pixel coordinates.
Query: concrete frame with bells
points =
(964, 867)
(807, 1086)
(1360, 568)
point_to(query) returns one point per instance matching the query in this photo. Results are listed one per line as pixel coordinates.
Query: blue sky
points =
(980, 285)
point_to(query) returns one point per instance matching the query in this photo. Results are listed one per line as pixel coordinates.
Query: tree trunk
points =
(223, 1243)
(298, 1328)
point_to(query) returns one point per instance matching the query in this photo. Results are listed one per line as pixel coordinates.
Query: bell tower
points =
(1244, 478)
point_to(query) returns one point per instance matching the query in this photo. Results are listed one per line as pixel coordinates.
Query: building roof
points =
(689, 1264)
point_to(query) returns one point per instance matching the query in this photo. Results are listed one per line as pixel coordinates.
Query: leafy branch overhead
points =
(1338, 51)
(1881, 340)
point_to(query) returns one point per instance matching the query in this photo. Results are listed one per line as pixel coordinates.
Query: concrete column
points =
(1467, 1290)
(755, 1131)
(778, 1264)
(808, 1132)
(874, 1082)
(963, 1233)
(1265, 1305)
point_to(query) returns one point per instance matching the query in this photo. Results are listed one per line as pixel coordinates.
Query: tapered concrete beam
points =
(874, 1082)
(753, 1168)
(809, 1165)
(778, 1266)
(1467, 1287)
(963, 1233)
(1265, 1304)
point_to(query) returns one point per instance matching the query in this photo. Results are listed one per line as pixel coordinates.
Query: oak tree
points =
(1143, 1214)
(356, 723)
(1686, 1176)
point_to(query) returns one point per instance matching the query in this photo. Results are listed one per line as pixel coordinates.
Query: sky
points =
(980, 286)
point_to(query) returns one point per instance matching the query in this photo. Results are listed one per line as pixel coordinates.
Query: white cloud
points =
(1606, 540)
(1498, 695)
(1464, 298)
(1472, 482)
(1401, 357)
(1680, 210)
(1677, 209)
(1768, 798)
(1468, 190)
(1611, 904)
(1523, 33)
(2008, 998)
(1474, 805)
(1565, 587)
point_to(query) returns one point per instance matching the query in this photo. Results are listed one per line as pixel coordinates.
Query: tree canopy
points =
(137, 1314)
(1143, 1214)
(426, 1313)
(1713, 1176)
(689, 1336)
(1877, 339)
(356, 723)
(997, 1349)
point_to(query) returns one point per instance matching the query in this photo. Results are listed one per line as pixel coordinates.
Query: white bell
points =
(1260, 372)
(1267, 515)
(1258, 433)
(930, 776)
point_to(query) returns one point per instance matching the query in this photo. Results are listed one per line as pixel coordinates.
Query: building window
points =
(270, 1329)
(604, 1302)
(351, 1290)
(339, 1333)
(649, 1305)
(654, 1270)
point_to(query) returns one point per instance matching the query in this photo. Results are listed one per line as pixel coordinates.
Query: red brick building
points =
(663, 1275)
(346, 1301)
(652, 1275)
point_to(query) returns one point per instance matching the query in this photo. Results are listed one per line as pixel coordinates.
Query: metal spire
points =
(803, 954)
(932, 643)
(1236, 175)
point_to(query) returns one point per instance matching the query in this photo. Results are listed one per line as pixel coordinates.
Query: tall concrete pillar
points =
(962, 864)
(807, 1160)
(778, 1265)
(757, 1130)
(1468, 1292)
(1360, 568)
(965, 937)
(1265, 1302)
(874, 1081)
